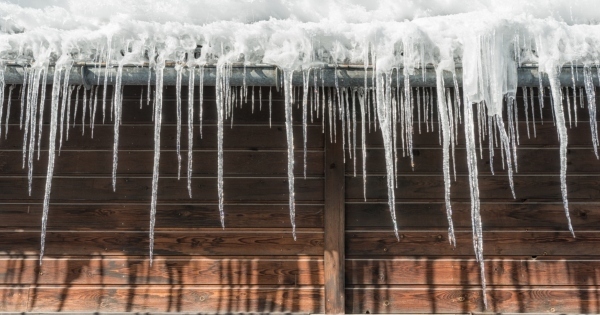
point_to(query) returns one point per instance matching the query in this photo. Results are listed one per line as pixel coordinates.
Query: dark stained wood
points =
(134, 217)
(546, 137)
(530, 161)
(424, 188)
(175, 298)
(467, 299)
(178, 270)
(135, 189)
(334, 222)
(500, 270)
(249, 163)
(230, 242)
(495, 216)
(429, 243)
(141, 137)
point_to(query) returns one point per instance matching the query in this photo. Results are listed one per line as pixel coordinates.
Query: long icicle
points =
(157, 124)
(443, 113)
(287, 77)
(561, 128)
(56, 87)
(190, 128)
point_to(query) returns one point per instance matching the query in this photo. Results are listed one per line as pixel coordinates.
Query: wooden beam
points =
(334, 221)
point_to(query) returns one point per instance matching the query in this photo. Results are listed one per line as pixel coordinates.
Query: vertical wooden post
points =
(334, 221)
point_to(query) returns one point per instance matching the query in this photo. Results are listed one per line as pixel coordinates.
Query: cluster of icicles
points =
(384, 106)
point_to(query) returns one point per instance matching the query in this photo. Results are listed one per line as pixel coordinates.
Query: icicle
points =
(562, 134)
(384, 115)
(474, 192)
(107, 66)
(526, 105)
(35, 86)
(41, 112)
(353, 104)
(76, 105)
(270, 105)
(69, 98)
(305, 87)
(10, 89)
(532, 113)
(83, 110)
(64, 104)
(23, 98)
(93, 104)
(117, 108)
(363, 109)
(220, 102)
(2, 88)
(178, 69)
(444, 120)
(591, 100)
(287, 77)
(201, 96)
(190, 128)
(56, 87)
(157, 124)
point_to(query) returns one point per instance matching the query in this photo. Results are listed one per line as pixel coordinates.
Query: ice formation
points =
(479, 44)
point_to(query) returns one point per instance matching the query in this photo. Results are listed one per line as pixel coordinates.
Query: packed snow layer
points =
(489, 40)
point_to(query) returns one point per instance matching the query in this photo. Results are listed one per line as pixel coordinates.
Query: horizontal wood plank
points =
(424, 243)
(135, 217)
(249, 163)
(208, 299)
(170, 189)
(491, 188)
(179, 270)
(495, 216)
(214, 242)
(141, 137)
(436, 271)
(468, 299)
(530, 161)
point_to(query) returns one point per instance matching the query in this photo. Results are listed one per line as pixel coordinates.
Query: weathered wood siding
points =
(97, 242)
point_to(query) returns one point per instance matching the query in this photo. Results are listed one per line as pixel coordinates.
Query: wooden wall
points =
(97, 244)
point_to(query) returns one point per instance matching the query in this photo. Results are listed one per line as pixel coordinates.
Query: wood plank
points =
(210, 242)
(175, 298)
(530, 161)
(141, 137)
(135, 189)
(496, 216)
(500, 270)
(467, 299)
(546, 137)
(334, 223)
(429, 243)
(179, 270)
(249, 163)
(13, 298)
(135, 217)
(528, 188)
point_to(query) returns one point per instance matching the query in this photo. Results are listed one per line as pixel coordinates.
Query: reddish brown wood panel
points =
(175, 298)
(189, 216)
(232, 242)
(178, 270)
(456, 271)
(521, 216)
(467, 299)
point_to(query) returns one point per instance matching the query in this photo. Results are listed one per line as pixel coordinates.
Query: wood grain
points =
(424, 243)
(177, 270)
(212, 242)
(135, 217)
(467, 299)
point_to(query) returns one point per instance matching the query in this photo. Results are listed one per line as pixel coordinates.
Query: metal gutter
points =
(265, 75)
